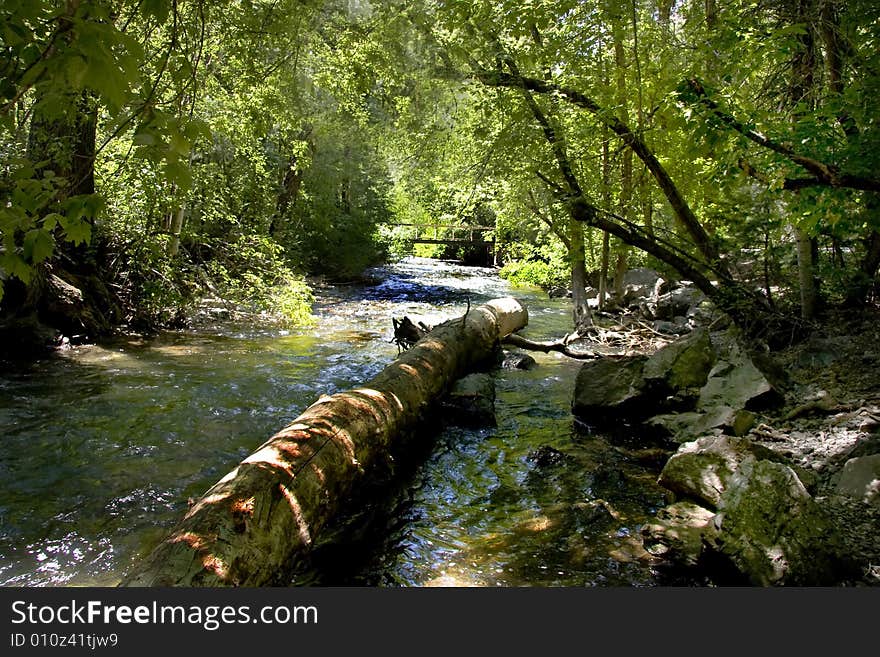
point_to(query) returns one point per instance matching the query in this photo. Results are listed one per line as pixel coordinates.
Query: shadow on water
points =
(535, 501)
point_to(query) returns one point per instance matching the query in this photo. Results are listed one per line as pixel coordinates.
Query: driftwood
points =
(260, 520)
(407, 333)
(546, 347)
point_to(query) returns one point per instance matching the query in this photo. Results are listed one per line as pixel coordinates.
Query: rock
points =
(677, 533)
(547, 456)
(680, 427)
(743, 422)
(640, 285)
(706, 314)
(26, 337)
(607, 389)
(703, 469)
(866, 446)
(678, 302)
(735, 381)
(687, 426)
(471, 402)
(78, 305)
(590, 513)
(770, 528)
(682, 365)
(675, 327)
(860, 478)
(518, 362)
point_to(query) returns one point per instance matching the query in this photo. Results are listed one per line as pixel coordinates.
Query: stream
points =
(102, 446)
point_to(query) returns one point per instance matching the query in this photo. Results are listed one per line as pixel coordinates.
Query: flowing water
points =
(102, 446)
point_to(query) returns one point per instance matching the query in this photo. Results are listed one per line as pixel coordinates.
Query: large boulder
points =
(702, 470)
(608, 389)
(771, 529)
(735, 380)
(678, 302)
(682, 365)
(640, 285)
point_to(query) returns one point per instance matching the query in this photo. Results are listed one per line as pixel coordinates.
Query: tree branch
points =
(823, 174)
(682, 210)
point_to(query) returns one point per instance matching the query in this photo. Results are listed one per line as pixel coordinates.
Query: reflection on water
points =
(102, 446)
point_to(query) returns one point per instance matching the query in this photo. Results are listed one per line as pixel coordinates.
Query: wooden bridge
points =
(461, 235)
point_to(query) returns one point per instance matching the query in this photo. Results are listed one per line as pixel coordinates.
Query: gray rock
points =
(679, 427)
(678, 302)
(770, 528)
(675, 327)
(860, 478)
(735, 381)
(608, 389)
(641, 285)
(687, 426)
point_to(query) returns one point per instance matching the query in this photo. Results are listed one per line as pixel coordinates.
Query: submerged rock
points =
(471, 402)
(518, 362)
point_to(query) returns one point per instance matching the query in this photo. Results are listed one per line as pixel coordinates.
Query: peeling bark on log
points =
(254, 525)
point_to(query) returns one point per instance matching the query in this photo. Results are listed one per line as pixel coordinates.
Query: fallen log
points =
(260, 520)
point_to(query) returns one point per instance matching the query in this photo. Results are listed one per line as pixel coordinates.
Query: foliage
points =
(258, 141)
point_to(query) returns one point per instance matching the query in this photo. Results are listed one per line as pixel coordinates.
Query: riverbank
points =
(772, 476)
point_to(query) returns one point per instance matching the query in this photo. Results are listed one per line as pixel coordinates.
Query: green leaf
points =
(16, 266)
(51, 220)
(75, 68)
(38, 245)
(179, 144)
(196, 128)
(179, 174)
(76, 229)
(158, 9)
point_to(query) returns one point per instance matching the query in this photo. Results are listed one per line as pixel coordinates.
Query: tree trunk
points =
(621, 265)
(800, 93)
(626, 165)
(258, 522)
(805, 274)
(603, 272)
(175, 229)
(65, 143)
(581, 310)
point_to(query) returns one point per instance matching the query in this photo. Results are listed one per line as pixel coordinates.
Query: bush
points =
(535, 272)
